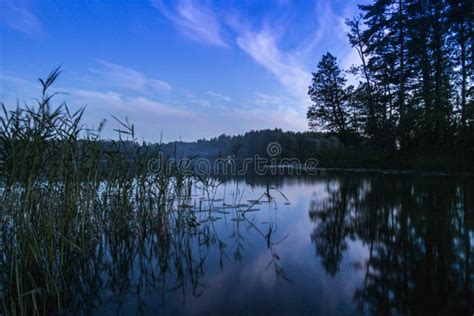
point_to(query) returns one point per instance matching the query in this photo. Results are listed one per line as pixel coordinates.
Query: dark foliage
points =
(414, 98)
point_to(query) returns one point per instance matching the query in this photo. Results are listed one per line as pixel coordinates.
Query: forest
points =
(412, 107)
(414, 98)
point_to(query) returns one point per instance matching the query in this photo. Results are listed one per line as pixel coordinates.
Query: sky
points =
(178, 70)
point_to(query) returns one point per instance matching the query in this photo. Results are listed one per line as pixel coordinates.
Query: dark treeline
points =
(293, 144)
(414, 98)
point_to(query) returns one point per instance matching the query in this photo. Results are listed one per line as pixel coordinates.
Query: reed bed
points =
(76, 218)
(65, 202)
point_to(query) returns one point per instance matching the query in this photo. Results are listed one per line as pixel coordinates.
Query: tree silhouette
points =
(331, 104)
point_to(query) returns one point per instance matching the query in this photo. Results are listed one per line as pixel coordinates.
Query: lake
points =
(338, 244)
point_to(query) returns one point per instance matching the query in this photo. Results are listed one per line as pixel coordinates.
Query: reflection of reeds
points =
(81, 225)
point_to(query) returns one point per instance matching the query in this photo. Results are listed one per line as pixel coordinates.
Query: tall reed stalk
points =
(79, 217)
(62, 194)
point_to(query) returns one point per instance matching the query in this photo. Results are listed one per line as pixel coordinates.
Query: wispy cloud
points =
(200, 102)
(14, 89)
(291, 65)
(266, 99)
(218, 96)
(14, 79)
(262, 47)
(263, 40)
(119, 101)
(175, 121)
(114, 75)
(324, 18)
(287, 118)
(19, 18)
(330, 24)
(198, 23)
(150, 115)
(332, 30)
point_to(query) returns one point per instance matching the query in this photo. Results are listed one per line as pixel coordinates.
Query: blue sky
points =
(180, 69)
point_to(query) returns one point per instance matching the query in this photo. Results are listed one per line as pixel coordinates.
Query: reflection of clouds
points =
(235, 285)
(249, 285)
(334, 291)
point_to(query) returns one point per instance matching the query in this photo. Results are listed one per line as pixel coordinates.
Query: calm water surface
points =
(339, 244)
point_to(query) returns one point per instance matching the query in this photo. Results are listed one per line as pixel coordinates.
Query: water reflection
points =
(368, 244)
(157, 265)
(419, 235)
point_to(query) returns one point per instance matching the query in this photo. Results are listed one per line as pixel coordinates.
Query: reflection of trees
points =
(333, 215)
(418, 233)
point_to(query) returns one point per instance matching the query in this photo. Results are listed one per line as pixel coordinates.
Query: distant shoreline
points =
(387, 171)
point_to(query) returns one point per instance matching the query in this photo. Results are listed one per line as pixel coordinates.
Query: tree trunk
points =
(401, 95)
